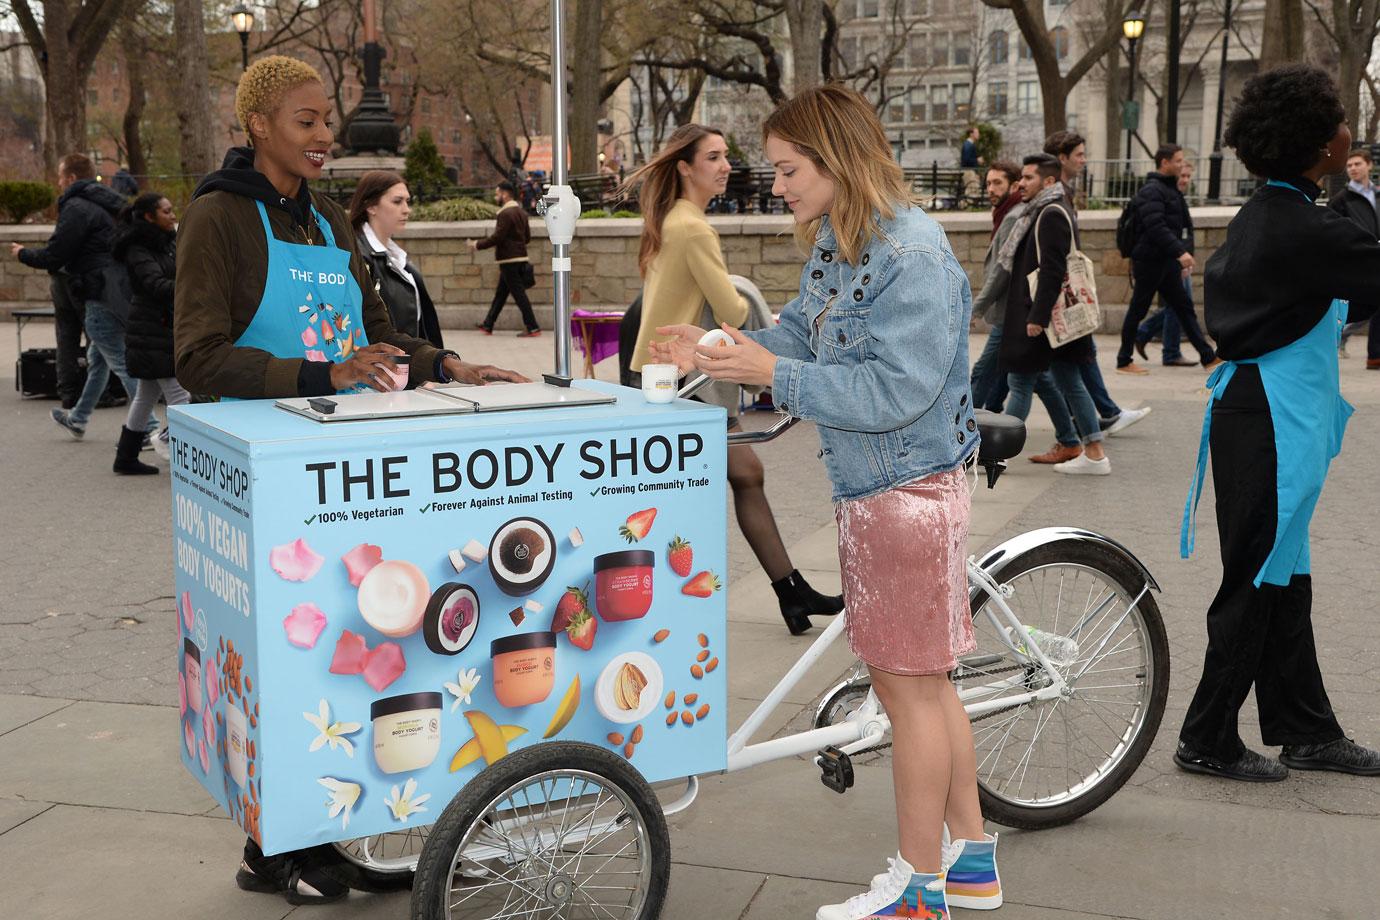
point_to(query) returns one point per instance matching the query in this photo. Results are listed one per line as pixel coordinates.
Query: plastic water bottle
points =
(1060, 650)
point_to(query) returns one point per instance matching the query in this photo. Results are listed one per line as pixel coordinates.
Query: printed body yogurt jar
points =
(524, 668)
(191, 669)
(623, 584)
(237, 745)
(407, 731)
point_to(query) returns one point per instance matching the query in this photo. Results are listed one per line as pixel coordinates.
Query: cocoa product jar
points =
(623, 584)
(524, 668)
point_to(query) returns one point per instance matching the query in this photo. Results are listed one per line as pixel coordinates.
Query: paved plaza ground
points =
(98, 819)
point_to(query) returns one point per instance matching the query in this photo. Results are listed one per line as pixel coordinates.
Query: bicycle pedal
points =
(836, 769)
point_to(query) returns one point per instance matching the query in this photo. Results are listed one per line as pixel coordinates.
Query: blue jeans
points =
(1053, 394)
(105, 354)
(1092, 382)
(1165, 325)
(988, 382)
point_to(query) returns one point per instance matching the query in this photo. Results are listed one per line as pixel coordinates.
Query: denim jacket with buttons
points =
(876, 354)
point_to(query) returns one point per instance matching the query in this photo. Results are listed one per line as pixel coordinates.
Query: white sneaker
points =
(160, 443)
(1082, 466)
(898, 889)
(1126, 419)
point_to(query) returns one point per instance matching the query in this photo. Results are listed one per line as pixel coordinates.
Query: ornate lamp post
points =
(1214, 190)
(243, 19)
(372, 128)
(1133, 26)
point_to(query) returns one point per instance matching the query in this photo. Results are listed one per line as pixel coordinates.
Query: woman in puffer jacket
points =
(145, 243)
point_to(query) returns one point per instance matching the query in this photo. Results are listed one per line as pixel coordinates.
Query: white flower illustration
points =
(332, 733)
(467, 681)
(405, 806)
(342, 800)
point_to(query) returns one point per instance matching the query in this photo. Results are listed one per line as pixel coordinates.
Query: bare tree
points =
(1283, 39)
(803, 18)
(1055, 86)
(586, 61)
(136, 51)
(196, 134)
(1351, 25)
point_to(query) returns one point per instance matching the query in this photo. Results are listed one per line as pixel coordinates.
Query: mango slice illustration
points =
(566, 711)
(490, 741)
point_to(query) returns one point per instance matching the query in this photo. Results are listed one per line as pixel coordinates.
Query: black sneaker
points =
(293, 874)
(1250, 767)
(1340, 756)
(64, 419)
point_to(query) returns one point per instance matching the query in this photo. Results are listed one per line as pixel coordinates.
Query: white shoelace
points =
(887, 887)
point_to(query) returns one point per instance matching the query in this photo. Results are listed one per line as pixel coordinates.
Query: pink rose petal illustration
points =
(208, 731)
(304, 625)
(212, 686)
(384, 665)
(181, 695)
(190, 737)
(360, 560)
(205, 758)
(187, 614)
(309, 337)
(295, 561)
(350, 654)
(315, 354)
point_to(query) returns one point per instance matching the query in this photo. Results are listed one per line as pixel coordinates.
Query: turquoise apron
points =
(1303, 388)
(312, 307)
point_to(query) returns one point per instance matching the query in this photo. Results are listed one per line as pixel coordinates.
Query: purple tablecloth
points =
(604, 336)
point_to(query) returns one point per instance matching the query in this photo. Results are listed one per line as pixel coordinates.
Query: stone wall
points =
(605, 261)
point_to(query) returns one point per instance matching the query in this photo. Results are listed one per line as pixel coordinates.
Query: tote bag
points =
(1076, 312)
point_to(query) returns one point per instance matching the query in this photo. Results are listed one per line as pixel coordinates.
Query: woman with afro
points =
(1276, 298)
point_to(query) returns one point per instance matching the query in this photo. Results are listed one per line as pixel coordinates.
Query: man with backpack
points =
(79, 250)
(1157, 226)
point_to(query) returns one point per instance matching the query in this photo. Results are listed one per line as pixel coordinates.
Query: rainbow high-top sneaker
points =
(899, 892)
(972, 880)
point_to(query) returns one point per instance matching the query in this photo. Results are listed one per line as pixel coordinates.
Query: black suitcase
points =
(35, 373)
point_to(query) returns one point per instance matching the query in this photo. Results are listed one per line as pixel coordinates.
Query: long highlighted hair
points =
(839, 132)
(657, 184)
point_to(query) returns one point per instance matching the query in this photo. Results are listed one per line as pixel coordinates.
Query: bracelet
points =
(441, 375)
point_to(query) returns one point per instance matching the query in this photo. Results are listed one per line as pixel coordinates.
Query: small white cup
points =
(714, 338)
(659, 382)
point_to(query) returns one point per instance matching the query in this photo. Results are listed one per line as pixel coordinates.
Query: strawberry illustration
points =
(702, 585)
(572, 603)
(680, 556)
(638, 525)
(582, 629)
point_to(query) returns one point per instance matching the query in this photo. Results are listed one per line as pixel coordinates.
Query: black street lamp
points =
(1214, 190)
(1133, 27)
(243, 18)
(372, 129)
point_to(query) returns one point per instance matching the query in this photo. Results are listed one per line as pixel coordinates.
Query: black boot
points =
(799, 602)
(127, 454)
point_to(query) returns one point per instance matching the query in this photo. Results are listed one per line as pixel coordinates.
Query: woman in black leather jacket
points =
(379, 211)
(145, 243)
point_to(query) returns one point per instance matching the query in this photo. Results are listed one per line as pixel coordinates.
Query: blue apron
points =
(312, 307)
(1303, 388)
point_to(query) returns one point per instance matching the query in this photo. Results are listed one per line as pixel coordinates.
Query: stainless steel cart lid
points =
(506, 397)
(360, 407)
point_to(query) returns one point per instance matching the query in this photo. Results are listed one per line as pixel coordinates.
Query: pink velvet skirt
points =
(902, 554)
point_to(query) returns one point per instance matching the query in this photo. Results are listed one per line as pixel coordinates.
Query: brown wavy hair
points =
(370, 189)
(657, 184)
(839, 132)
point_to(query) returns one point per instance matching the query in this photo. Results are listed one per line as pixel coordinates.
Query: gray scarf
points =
(1007, 256)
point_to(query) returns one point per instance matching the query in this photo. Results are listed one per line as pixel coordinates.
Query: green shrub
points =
(20, 199)
(423, 164)
(626, 214)
(452, 209)
(595, 212)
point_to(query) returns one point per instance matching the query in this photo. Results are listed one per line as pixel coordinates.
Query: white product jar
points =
(407, 731)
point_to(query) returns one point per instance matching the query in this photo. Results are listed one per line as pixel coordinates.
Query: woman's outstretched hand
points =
(743, 362)
(680, 350)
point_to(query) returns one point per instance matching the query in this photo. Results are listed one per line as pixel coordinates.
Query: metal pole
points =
(1214, 192)
(560, 252)
(1172, 95)
(1130, 101)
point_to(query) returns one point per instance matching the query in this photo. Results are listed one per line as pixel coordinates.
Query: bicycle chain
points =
(996, 712)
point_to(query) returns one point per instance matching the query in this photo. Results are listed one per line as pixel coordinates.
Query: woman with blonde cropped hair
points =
(874, 350)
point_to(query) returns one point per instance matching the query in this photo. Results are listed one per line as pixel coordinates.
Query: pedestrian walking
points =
(509, 243)
(1041, 241)
(1276, 295)
(988, 380)
(378, 212)
(880, 365)
(1357, 201)
(970, 162)
(683, 270)
(79, 251)
(1164, 324)
(1071, 150)
(146, 244)
(1161, 256)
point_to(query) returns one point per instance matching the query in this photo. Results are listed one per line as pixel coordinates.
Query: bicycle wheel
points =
(556, 831)
(376, 864)
(1043, 764)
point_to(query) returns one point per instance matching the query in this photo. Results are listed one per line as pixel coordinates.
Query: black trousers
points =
(68, 318)
(1166, 279)
(510, 282)
(1261, 636)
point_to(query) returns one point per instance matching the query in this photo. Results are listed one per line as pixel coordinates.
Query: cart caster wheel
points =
(560, 829)
(836, 769)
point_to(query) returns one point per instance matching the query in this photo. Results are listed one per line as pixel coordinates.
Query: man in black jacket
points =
(1358, 202)
(509, 243)
(78, 254)
(1161, 258)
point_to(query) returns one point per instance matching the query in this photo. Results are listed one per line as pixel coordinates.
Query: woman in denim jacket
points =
(874, 351)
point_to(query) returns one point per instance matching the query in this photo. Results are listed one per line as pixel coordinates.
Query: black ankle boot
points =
(127, 454)
(799, 602)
